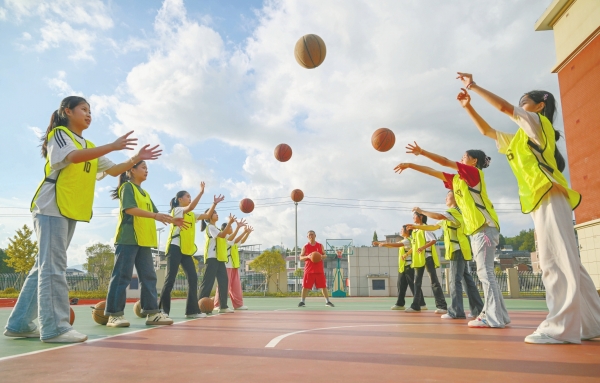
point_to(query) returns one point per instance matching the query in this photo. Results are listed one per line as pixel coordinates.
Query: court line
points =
(98, 339)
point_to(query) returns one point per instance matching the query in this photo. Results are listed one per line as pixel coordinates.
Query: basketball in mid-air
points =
(383, 139)
(316, 257)
(283, 152)
(206, 305)
(310, 51)
(297, 195)
(246, 205)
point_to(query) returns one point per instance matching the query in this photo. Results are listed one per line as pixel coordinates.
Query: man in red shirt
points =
(314, 274)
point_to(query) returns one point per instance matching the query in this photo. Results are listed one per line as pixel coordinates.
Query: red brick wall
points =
(579, 84)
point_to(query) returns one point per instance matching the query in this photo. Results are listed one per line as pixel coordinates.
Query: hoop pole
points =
(296, 252)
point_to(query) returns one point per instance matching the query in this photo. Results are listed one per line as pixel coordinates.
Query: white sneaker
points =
(446, 316)
(396, 307)
(68, 337)
(225, 311)
(424, 308)
(158, 319)
(30, 334)
(242, 308)
(196, 316)
(540, 338)
(441, 311)
(470, 316)
(117, 321)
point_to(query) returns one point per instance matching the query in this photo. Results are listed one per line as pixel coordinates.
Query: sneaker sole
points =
(65, 340)
(118, 325)
(17, 335)
(158, 323)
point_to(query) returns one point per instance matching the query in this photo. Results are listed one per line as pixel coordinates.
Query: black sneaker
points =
(329, 304)
(301, 304)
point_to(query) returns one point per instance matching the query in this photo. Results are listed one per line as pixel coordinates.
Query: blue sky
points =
(216, 84)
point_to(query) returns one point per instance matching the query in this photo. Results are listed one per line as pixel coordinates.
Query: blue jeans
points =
(458, 271)
(45, 293)
(483, 244)
(126, 256)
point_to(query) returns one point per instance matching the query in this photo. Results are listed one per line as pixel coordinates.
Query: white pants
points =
(573, 303)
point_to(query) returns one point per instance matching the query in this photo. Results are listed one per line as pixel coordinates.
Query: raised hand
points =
(464, 98)
(231, 218)
(124, 142)
(218, 199)
(414, 149)
(241, 223)
(164, 218)
(202, 185)
(147, 153)
(402, 167)
(417, 210)
(465, 78)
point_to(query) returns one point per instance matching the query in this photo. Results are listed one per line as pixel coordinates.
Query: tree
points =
(268, 263)
(4, 268)
(375, 237)
(21, 251)
(501, 242)
(100, 261)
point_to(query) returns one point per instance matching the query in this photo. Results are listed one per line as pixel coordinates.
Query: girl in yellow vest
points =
(481, 223)
(458, 252)
(134, 239)
(406, 274)
(572, 300)
(64, 197)
(215, 258)
(181, 246)
(233, 265)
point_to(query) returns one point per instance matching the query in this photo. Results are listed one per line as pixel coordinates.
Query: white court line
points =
(95, 340)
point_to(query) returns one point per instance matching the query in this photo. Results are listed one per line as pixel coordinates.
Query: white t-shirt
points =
(178, 213)
(59, 146)
(450, 218)
(429, 236)
(213, 231)
(528, 121)
(407, 247)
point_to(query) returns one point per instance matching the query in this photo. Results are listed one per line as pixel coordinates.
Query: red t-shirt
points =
(470, 174)
(310, 266)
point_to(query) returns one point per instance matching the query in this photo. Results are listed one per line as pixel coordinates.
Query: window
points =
(378, 284)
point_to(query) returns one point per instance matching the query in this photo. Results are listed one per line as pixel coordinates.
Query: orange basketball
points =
(297, 195)
(206, 305)
(98, 313)
(246, 205)
(283, 152)
(72, 316)
(383, 139)
(137, 309)
(310, 51)
(316, 257)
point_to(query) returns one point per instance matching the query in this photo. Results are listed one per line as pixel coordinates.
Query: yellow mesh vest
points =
(466, 198)
(187, 237)
(418, 259)
(535, 168)
(235, 256)
(221, 247)
(454, 235)
(144, 228)
(74, 185)
(401, 262)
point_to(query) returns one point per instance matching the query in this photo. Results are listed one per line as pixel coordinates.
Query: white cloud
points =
(388, 64)
(37, 131)
(60, 85)
(2, 13)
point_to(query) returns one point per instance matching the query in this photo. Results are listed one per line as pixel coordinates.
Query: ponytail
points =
(175, 200)
(549, 112)
(205, 222)
(483, 161)
(123, 177)
(59, 118)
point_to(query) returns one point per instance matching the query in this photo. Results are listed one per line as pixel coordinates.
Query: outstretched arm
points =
(430, 214)
(424, 227)
(484, 128)
(210, 211)
(229, 223)
(195, 201)
(423, 169)
(417, 150)
(496, 101)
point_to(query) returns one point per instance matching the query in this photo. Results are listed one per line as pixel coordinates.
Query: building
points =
(393, 238)
(74, 273)
(576, 27)
(511, 259)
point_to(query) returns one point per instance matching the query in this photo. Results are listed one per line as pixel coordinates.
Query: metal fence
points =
(250, 283)
(75, 282)
(530, 283)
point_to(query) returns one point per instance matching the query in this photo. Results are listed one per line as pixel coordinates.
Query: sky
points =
(215, 83)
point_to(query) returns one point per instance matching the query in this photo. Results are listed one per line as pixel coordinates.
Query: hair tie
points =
(545, 96)
(487, 161)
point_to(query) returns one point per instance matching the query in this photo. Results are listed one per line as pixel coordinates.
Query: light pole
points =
(296, 252)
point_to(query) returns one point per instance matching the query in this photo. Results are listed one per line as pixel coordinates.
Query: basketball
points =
(71, 317)
(310, 51)
(297, 195)
(246, 205)
(283, 152)
(98, 313)
(383, 139)
(206, 305)
(316, 257)
(137, 309)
